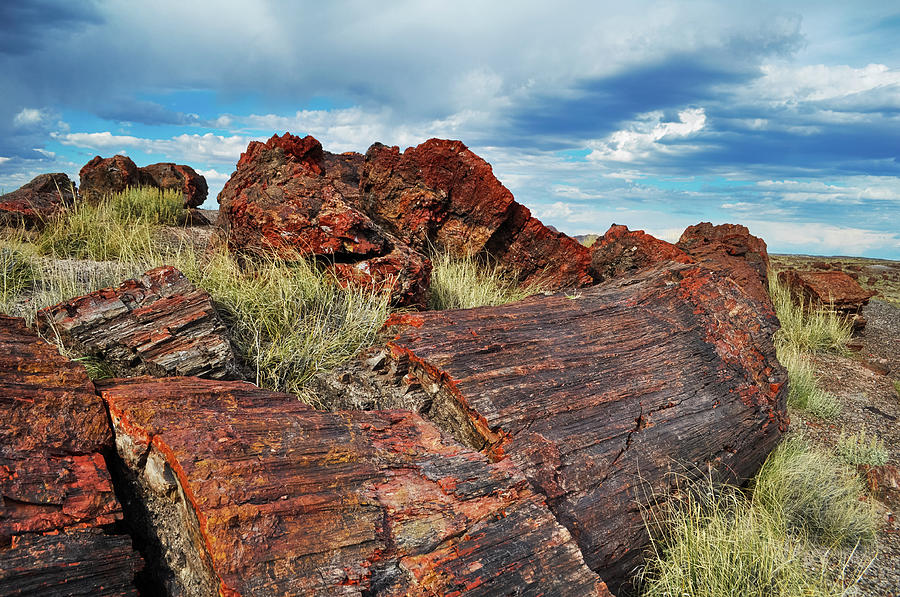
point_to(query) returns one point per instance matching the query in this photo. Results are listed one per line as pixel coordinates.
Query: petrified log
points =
(53, 477)
(158, 325)
(832, 289)
(597, 396)
(621, 250)
(39, 200)
(254, 493)
(441, 194)
(179, 177)
(105, 176)
(290, 197)
(733, 251)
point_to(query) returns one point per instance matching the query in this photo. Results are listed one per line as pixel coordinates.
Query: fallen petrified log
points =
(37, 201)
(105, 176)
(250, 492)
(160, 325)
(733, 251)
(622, 251)
(58, 509)
(596, 396)
(832, 289)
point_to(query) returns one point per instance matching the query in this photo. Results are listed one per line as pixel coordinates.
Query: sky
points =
(784, 117)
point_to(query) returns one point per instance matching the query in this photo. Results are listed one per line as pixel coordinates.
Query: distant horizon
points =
(783, 117)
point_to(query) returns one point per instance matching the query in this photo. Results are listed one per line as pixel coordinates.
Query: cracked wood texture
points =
(258, 494)
(599, 395)
(57, 496)
(160, 325)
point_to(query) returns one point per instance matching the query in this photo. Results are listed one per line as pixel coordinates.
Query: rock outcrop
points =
(733, 251)
(38, 201)
(621, 251)
(58, 508)
(160, 325)
(253, 493)
(832, 289)
(596, 396)
(105, 176)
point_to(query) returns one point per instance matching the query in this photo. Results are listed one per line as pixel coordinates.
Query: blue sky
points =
(782, 116)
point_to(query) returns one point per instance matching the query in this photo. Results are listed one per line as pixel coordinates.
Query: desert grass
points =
(804, 391)
(860, 448)
(467, 282)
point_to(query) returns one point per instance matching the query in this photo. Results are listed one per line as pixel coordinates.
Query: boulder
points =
(599, 397)
(58, 509)
(105, 176)
(882, 481)
(832, 289)
(160, 325)
(732, 250)
(178, 177)
(250, 492)
(38, 201)
(290, 197)
(441, 195)
(622, 251)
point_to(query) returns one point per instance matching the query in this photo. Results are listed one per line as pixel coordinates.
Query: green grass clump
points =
(805, 329)
(466, 282)
(815, 495)
(804, 392)
(16, 274)
(859, 448)
(148, 204)
(289, 320)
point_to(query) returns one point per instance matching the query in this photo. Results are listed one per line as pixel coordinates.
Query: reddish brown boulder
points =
(440, 194)
(160, 325)
(53, 477)
(178, 177)
(882, 481)
(254, 493)
(105, 176)
(833, 289)
(39, 200)
(732, 250)
(598, 396)
(290, 197)
(621, 250)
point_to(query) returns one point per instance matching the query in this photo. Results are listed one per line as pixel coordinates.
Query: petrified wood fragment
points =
(160, 324)
(37, 201)
(254, 493)
(598, 395)
(833, 289)
(621, 250)
(53, 477)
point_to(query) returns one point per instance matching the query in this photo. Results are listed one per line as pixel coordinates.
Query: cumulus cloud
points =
(824, 239)
(189, 148)
(647, 136)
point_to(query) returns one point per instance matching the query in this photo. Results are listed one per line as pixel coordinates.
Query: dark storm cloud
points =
(28, 25)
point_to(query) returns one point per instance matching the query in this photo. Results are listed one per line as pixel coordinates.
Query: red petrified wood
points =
(57, 497)
(160, 324)
(105, 176)
(834, 289)
(39, 200)
(255, 493)
(733, 251)
(621, 250)
(597, 396)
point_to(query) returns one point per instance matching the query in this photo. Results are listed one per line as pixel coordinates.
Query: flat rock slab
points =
(597, 396)
(54, 432)
(160, 325)
(254, 493)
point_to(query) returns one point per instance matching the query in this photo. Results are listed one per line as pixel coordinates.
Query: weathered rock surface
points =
(596, 396)
(39, 200)
(441, 194)
(158, 325)
(58, 504)
(833, 289)
(291, 197)
(167, 175)
(733, 251)
(253, 493)
(622, 251)
(105, 176)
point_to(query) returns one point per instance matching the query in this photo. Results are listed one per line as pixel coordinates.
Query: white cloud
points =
(214, 176)
(2, 159)
(851, 190)
(187, 148)
(823, 239)
(29, 116)
(825, 82)
(643, 137)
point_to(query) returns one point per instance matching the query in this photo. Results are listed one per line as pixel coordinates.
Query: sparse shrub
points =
(859, 448)
(466, 282)
(815, 495)
(804, 392)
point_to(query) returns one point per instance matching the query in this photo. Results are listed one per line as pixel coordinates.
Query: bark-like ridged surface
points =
(37, 201)
(53, 477)
(255, 493)
(105, 176)
(597, 396)
(159, 325)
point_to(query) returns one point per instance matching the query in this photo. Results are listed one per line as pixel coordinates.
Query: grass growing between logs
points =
(465, 282)
(723, 541)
